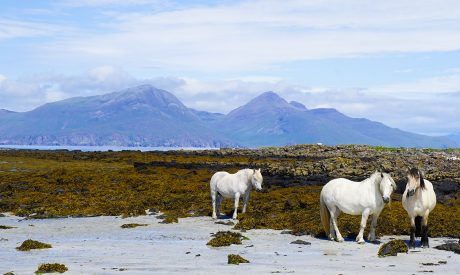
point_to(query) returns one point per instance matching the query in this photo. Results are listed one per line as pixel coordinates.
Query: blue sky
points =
(397, 62)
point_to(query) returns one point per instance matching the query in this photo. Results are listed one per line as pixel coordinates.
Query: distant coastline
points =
(100, 148)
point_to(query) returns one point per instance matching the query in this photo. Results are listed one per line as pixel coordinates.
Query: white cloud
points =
(96, 3)
(257, 35)
(14, 29)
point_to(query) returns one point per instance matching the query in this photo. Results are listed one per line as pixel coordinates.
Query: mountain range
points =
(146, 116)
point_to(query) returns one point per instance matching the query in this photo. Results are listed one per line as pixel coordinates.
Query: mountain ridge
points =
(147, 116)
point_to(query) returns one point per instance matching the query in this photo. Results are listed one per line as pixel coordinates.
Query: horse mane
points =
(415, 173)
(422, 182)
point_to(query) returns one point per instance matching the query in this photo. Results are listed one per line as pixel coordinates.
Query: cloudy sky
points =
(393, 61)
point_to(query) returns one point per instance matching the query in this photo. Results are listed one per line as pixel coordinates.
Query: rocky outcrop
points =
(317, 164)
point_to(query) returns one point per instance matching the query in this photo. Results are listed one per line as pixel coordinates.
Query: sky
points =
(397, 62)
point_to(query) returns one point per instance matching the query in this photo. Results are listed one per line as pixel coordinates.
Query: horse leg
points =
(213, 199)
(237, 200)
(245, 201)
(334, 215)
(219, 200)
(424, 233)
(412, 232)
(364, 217)
(371, 237)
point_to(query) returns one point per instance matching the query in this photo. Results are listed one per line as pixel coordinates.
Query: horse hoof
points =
(340, 240)
(360, 241)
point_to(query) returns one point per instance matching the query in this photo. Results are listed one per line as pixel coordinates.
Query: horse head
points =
(387, 186)
(414, 181)
(257, 179)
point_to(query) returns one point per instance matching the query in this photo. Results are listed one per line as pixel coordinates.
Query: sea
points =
(100, 148)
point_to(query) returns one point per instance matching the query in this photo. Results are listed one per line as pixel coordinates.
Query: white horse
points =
(355, 198)
(233, 186)
(419, 200)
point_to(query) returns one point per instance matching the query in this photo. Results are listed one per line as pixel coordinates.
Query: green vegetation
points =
(51, 268)
(392, 248)
(226, 238)
(45, 184)
(31, 244)
(236, 259)
(132, 225)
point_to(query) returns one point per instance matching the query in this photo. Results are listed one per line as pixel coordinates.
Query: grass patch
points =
(133, 225)
(29, 244)
(51, 268)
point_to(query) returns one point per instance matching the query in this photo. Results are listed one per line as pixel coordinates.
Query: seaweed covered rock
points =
(51, 268)
(226, 238)
(452, 246)
(236, 259)
(301, 242)
(170, 219)
(392, 248)
(225, 223)
(32, 244)
(6, 227)
(133, 225)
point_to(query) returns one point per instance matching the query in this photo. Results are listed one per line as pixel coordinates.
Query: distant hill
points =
(270, 120)
(455, 138)
(139, 116)
(146, 116)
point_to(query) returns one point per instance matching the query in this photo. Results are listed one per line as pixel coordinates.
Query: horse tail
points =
(325, 215)
(418, 226)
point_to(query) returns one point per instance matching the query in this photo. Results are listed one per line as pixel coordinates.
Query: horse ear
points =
(259, 170)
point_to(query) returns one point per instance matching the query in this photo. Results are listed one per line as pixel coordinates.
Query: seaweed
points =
(79, 184)
(132, 225)
(6, 227)
(29, 244)
(236, 259)
(226, 238)
(170, 219)
(51, 268)
(392, 248)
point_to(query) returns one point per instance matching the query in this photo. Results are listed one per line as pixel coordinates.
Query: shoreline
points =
(98, 245)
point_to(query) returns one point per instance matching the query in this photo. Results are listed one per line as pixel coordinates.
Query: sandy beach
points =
(97, 245)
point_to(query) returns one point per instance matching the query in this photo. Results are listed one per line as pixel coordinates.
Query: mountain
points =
(454, 137)
(139, 116)
(270, 120)
(4, 112)
(146, 116)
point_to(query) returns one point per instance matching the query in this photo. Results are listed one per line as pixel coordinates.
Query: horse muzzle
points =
(410, 193)
(386, 199)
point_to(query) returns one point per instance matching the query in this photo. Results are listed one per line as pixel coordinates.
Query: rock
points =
(392, 248)
(454, 247)
(236, 259)
(225, 223)
(301, 242)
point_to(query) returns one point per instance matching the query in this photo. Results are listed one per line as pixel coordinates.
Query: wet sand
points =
(97, 245)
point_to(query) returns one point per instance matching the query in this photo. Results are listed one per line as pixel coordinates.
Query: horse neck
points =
(374, 181)
(246, 175)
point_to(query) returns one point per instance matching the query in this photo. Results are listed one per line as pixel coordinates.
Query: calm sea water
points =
(100, 148)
